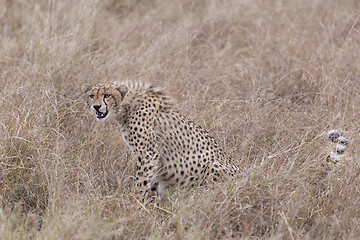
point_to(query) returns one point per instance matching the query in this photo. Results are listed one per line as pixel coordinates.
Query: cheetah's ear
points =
(85, 88)
(123, 90)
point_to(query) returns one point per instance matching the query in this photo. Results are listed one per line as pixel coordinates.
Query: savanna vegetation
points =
(268, 79)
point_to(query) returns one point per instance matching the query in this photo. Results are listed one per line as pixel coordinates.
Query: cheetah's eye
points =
(91, 96)
(107, 95)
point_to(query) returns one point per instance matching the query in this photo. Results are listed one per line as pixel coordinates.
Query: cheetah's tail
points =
(341, 144)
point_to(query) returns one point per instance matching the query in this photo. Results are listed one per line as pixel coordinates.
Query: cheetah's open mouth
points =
(100, 115)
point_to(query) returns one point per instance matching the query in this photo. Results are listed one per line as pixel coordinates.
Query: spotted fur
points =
(341, 144)
(170, 149)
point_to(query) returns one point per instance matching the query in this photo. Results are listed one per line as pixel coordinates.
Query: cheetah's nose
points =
(97, 107)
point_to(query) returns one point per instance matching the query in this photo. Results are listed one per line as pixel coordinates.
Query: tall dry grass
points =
(267, 78)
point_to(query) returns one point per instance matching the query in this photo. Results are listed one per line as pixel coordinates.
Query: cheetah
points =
(169, 149)
(341, 144)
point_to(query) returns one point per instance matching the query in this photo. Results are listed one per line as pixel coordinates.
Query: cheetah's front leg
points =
(146, 167)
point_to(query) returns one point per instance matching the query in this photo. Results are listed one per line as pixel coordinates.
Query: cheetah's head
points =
(104, 99)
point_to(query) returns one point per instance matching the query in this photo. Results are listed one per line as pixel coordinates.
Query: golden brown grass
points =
(267, 78)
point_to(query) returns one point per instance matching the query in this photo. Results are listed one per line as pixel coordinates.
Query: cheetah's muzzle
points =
(100, 115)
